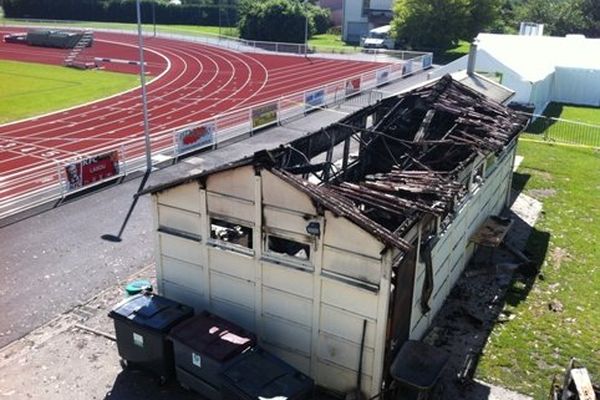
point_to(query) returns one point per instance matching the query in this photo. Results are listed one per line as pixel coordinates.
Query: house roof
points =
(487, 87)
(535, 57)
(409, 164)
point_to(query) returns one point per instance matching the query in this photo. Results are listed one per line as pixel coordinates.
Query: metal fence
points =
(26, 189)
(558, 130)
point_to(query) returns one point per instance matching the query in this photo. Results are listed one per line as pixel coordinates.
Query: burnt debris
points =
(413, 150)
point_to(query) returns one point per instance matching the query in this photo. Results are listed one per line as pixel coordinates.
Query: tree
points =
(560, 17)
(507, 20)
(590, 10)
(430, 24)
(275, 20)
(483, 15)
(321, 18)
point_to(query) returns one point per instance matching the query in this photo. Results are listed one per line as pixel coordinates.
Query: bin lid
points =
(151, 311)
(138, 286)
(260, 374)
(213, 336)
(418, 364)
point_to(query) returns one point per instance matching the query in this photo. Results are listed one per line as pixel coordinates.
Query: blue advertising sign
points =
(315, 98)
(427, 61)
(383, 75)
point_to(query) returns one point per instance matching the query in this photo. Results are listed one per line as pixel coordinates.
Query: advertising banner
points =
(195, 138)
(383, 75)
(264, 115)
(427, 61)
(352, 86)
(315, 98)
(92, 170)
(406, 68)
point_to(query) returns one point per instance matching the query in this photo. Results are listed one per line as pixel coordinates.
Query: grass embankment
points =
(525, 353)
(568, 132)
(27, 90)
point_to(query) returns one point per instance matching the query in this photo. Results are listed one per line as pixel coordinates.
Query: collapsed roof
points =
(411, 150)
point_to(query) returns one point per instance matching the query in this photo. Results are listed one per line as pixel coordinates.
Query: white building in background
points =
(540, 69)
(360, 16)
(335, 7)
(531, 29)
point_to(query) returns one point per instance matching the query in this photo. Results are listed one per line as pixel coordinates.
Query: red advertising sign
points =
(195, 138)
(352, 86)
(92, 170)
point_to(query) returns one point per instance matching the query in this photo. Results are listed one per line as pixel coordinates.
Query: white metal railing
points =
(558, 130)
(26, 189)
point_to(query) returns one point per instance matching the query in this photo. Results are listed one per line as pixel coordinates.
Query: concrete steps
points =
(80, 46)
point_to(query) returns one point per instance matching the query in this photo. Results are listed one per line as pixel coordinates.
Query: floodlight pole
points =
(154, 16)
(305, 28)
(117, 238)
(219, 19)
(143, 83)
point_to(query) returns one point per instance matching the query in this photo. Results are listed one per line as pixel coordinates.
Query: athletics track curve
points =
(191, 82)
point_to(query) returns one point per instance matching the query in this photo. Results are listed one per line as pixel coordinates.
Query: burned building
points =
(368, 219)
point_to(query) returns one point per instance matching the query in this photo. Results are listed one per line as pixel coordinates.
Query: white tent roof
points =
(382, 29)
(536, 57)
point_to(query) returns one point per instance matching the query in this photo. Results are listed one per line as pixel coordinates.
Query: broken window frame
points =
(219, 243)
(286, 259)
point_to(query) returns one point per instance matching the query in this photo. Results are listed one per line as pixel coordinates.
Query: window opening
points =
(288, 247)
(231, 232)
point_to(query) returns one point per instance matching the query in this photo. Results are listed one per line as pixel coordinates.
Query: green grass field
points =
(27, 89)
(565, 132)
(331, 41)
(525, 353)
(452, 54)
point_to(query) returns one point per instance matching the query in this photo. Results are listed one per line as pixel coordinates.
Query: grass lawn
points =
(525, 353)
(32, 89)
(568, 132)
(452, 54)
(328, 40)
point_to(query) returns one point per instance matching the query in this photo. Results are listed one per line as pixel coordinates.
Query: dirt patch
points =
(543, 175)
(541, 193)
(558, 255)
(556, 306)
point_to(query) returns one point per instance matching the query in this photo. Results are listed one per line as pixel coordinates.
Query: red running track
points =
(193, 82)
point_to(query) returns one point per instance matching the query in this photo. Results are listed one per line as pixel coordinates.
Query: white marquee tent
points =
(540, 69)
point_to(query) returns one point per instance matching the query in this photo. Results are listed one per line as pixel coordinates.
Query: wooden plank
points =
(583, 384)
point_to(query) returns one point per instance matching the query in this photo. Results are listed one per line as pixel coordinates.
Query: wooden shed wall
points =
(453, 250)
(310, 313)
